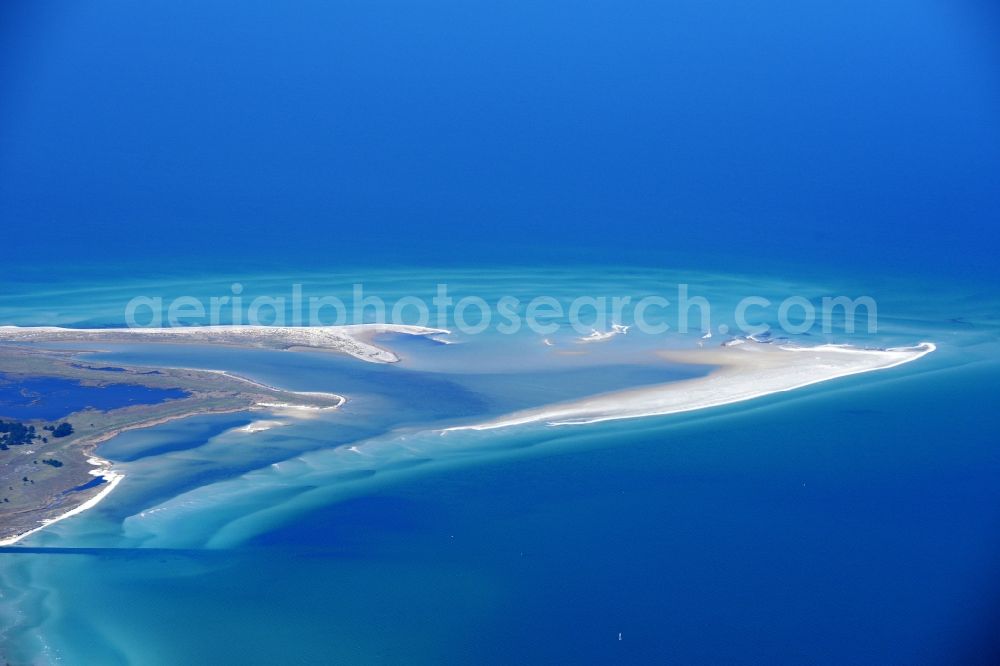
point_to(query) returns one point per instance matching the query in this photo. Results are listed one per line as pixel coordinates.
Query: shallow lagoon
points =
(49, 398)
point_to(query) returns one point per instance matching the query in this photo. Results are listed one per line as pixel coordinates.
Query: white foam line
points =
(598, 336)
(260, 426)
(300, 408)
(253, 382)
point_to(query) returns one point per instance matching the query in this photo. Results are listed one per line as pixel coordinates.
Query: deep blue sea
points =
(770, 149)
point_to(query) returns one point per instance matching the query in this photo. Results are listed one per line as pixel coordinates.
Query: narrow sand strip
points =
(112, 479)
(744, 372)
(355, 340)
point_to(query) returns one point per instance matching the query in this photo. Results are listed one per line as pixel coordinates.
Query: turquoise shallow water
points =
(166, 149)
(850, 521)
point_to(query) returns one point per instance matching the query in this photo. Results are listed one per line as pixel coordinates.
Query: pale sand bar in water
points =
(744, 372)
(355, 340)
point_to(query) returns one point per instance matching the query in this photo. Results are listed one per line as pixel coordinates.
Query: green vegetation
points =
(15, 433)
(62, 430)
(53, 462)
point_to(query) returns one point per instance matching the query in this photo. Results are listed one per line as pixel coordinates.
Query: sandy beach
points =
(744, 372)
(354, 340)
(111, 479)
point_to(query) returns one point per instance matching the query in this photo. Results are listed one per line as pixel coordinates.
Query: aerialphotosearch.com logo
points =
(545, 315)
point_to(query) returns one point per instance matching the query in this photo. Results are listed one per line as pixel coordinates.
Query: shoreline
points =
(341, 400)
(355, 340)
(210, 392)
(88, 448)
(109, 475)
(113, 477)
(766, 369)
